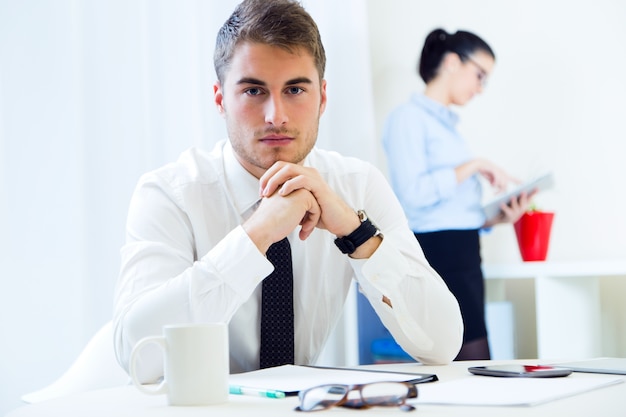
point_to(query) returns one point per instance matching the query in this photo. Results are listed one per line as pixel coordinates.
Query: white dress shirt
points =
(187, 259)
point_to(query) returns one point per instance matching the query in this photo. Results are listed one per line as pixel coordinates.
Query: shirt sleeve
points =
(424, 318)
(415, 181)
(163, 281)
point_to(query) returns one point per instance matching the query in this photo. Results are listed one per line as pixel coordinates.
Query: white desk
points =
(567, 303)
(127, 401)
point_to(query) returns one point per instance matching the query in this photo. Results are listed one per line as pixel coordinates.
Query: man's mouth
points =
(277, 140)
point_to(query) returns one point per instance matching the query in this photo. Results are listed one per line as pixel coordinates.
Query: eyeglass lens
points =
(482, 74)
(322, 397)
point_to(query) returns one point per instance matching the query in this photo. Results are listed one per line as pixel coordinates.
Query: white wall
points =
(85, 109)
(555, 101)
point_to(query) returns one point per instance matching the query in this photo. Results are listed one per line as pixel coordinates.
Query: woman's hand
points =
(511, 212)
(496, 176)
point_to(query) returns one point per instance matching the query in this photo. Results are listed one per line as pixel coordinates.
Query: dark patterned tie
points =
(277, 309)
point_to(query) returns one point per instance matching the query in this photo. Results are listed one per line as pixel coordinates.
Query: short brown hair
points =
(282, 23)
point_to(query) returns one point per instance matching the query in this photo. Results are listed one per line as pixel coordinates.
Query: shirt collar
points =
(437, 109)
(243, 186)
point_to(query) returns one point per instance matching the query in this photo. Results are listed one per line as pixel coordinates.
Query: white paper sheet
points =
(293, 378)
(486, 390)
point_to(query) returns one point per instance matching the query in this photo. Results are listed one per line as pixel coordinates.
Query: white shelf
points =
(567, 303)
(555, 269)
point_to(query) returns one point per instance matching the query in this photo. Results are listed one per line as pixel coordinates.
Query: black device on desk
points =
(523, 371)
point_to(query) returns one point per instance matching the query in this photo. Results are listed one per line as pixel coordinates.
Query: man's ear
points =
(218, 97)
(323, 97)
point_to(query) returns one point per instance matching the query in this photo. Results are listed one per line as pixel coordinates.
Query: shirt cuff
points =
(378, 272)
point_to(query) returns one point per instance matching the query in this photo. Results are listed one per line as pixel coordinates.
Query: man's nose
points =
(275, 112)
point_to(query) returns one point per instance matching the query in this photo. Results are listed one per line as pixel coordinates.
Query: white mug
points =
(195, 364)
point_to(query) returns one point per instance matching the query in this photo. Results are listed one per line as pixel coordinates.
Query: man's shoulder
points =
(192, 166)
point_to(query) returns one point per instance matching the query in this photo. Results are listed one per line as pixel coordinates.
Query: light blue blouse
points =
(423, 147)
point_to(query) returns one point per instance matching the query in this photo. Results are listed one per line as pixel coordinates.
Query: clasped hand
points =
(295, 195)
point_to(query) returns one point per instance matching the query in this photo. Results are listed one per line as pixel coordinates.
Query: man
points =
(198, 230)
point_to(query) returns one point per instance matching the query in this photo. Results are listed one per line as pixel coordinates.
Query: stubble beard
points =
(245, 149)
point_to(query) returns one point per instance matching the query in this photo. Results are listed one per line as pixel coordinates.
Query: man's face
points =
(272, 101)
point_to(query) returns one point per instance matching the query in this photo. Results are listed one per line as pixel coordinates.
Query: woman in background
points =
(436, 177)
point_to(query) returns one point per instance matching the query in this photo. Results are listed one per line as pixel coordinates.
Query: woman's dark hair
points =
(439, 42)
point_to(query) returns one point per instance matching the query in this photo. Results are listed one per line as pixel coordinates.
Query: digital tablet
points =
(597, 366)
(540, 183)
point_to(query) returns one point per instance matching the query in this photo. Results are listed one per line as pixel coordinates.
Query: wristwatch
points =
(362, 234)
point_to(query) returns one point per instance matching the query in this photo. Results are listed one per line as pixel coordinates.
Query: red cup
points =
(533, 234)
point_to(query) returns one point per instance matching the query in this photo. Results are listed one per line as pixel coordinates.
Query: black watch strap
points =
(366, 230)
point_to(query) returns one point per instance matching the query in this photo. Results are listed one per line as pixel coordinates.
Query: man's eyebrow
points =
(254, 81)
(299, 80)
(250, 80)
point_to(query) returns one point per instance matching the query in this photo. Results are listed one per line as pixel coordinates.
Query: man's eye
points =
(294, 90)
(253, 91)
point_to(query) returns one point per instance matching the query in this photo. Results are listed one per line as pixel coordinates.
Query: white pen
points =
(267, 393)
